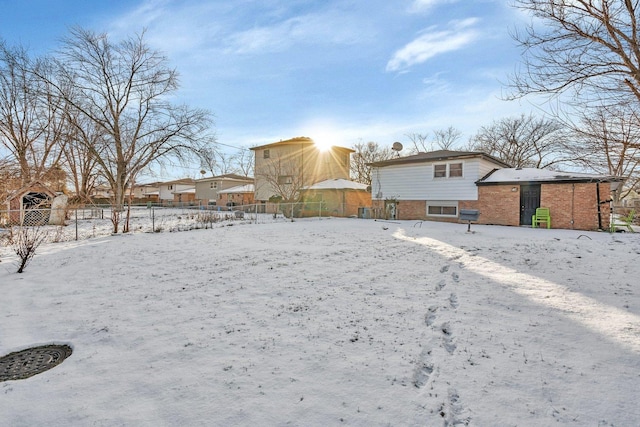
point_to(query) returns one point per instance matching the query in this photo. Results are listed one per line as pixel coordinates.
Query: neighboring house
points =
(207, 189)
(101, 192)
(337, 197)
(241, 195)
(283, 168)
(576, 200)
(147, 192)
(177, 191)
(433, 185)
(632, 200)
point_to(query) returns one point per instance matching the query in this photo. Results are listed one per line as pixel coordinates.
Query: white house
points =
(433, 185)
(178, 190)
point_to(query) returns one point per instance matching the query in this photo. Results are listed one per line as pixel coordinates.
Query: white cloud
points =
(329, 27)
(432, 43)
(422, 5)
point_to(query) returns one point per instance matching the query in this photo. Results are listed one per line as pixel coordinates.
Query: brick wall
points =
(499, 205)
(575, 206)
(417, 210)
(572, 206)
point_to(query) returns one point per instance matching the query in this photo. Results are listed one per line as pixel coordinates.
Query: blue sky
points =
(344, 70)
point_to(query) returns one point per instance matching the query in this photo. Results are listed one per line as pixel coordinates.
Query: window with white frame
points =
(442, 208)
(440, 171)
(214, 185)
(447, 170)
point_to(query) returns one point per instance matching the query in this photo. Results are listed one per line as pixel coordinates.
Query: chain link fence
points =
(78, 223)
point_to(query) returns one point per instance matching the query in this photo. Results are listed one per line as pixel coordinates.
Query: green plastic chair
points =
(541, 215)
(623, 221)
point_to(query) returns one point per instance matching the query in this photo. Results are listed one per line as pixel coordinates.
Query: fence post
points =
(153, 220)
(76, 224)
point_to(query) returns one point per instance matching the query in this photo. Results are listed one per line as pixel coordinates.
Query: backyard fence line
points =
(79, 223)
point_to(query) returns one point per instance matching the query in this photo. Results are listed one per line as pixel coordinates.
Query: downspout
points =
(599, 204)
(573, 198)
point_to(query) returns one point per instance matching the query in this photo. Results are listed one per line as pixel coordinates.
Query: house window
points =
(266, 154)
(442, 208)
(440, 171)
(170, 187)
(285, 179)
(447, 170)
(455, 170)
(214, 185)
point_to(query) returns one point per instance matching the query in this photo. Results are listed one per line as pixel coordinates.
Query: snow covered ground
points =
(329, 322)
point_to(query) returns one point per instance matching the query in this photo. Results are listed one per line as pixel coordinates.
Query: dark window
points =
(266, 154)
(285, 179)
(455, 170)
(442, 210)
(439, 171)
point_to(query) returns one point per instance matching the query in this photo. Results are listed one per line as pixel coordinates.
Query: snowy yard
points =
(329, 322)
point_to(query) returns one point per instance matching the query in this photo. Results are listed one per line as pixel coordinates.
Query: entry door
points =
(529, 202)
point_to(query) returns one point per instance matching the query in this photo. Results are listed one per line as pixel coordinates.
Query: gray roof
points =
(439, 156)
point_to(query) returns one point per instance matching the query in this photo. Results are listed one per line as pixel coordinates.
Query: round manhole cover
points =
(31, 361)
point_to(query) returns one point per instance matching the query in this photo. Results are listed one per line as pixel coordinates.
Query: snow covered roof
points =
(185, 191)
(337, 184)
(517, 175)
(247, 188)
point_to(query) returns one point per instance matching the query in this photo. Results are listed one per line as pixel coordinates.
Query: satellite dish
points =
(396, 146)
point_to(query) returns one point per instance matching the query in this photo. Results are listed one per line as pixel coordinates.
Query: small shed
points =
(30, 204)
(339, 197)
(579, 201)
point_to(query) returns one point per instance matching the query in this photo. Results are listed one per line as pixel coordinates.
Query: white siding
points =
(416, 181)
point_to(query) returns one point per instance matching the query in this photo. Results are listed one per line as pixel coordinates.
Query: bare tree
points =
(285, 178)
(442, 139)
(589, 48)
(445, 139)
(419, 143)
(123, 90)
(25, 241)
(607, 140)
(366, 153)
(80, 159)
(523, 141)
(243, 161)
(31, 121)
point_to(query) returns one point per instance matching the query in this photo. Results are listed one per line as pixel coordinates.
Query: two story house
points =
(179, 191)
(284, 168)
(433, 185)
(208, 189)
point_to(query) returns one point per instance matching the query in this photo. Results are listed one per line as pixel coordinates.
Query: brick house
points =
(433, 185)
(577, 201)
(339, 197)
(240, 195)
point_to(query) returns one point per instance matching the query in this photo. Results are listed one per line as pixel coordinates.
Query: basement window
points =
(442, 208)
